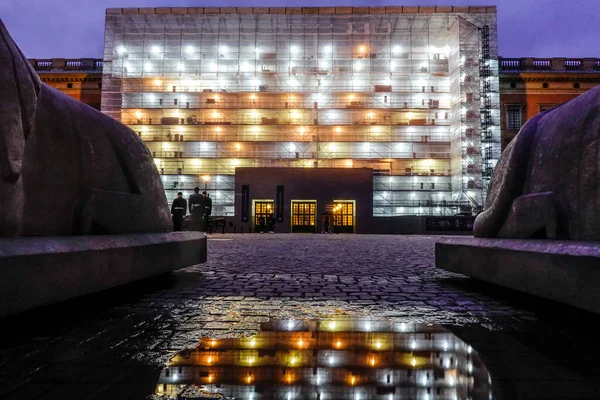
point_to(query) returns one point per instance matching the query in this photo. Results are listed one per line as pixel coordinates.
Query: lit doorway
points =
(261, 210)
(344, 212)
(304, 216)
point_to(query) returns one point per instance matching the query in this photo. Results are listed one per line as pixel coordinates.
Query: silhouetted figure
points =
(326, 224)
(261, 224)
(196, 205)
(271, 223)
(178, 211)
(207, 210)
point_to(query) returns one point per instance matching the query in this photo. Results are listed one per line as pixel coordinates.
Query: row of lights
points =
(294, 49)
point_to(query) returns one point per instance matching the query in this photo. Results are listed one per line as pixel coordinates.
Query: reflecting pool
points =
(342, 357)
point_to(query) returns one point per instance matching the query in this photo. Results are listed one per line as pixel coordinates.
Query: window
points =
(576, 85)
(303, 214)
(513, 118)
(69, 86)
(545, 85)
(546, 106)
(513, 85)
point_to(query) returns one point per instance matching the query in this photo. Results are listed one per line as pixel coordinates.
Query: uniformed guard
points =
(196, 205)
(178, 211)
(207, 209)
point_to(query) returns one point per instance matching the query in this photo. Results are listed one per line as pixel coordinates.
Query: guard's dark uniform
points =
(207, 210)
(178, 210)
(196, 205)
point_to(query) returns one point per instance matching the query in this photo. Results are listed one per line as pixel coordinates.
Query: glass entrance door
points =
(343, 216)
(304, 216)
(263, 210)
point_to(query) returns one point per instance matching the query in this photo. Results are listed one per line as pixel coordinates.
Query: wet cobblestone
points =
(247, 280)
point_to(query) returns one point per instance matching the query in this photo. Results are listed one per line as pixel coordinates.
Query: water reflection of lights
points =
(341, 358)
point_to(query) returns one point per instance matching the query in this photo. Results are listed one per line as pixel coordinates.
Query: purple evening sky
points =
(526, 28)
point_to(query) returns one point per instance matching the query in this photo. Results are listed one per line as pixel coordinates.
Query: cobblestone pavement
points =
(74, 349)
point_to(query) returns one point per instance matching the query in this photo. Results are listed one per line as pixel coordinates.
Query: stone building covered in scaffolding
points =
(409, 92)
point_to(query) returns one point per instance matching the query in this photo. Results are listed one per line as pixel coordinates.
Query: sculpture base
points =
(39, 271)
(565, 271)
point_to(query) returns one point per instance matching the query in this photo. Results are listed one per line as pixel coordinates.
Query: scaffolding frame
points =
(382, 88)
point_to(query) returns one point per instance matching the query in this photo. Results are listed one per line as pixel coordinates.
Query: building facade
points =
(79, 78)
(409, 92)
(531, 85)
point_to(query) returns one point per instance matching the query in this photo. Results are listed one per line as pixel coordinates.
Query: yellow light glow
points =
(363, 49)
(410, 115)
(138, 115)
(210, 378)
(414, 362)
(218, 129)
(249, 378)
(213, 343)
(338, 344)
(378, 345)
(332, 325)
(205, 178)
(370, 114)
(301, 129)
(215, 114)
(158, 82)
(253, 342)
(349, 163)
(289, 378)
(293, 361)
(238, 146)
(351, 97)
(338, 129)
(209, 360)
(352, 380)
(372, 362)
(251, 361)
(253, 97)
(300, 342)
(176, 114)
(235, 161)
(254, 113)
(217, 97)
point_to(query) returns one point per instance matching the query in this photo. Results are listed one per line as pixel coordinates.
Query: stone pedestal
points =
(565, 271)
(40, 271)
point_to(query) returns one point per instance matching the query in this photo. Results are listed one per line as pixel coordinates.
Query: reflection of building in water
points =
(342, 358)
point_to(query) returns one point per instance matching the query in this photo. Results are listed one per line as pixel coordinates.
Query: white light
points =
(292, 147)
(469, 350)
(255, 82)
(189, 49)
(424, 381)
(396, 49)
(180, 67)
(148, 67)
(214, 66)
(331, 360)
(413, 344)
(155, 49)
(328, 49)
(257, 50)
(357, 66)
(290, 325)
(445, 346)
(294, 49)
(470, 367)
(223, 48)
(121, 50)
(451, 381)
